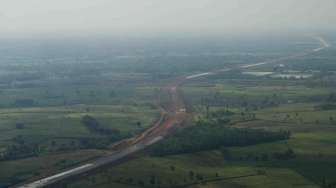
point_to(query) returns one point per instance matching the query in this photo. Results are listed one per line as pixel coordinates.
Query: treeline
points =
(26, 146)
(327, 106)
(265, 156)
(24, 103)
(94, 126)
(108, 135)
(21, 148)
(212, 136)
(19, 151)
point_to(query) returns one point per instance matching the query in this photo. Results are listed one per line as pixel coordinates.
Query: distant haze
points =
(151, 17)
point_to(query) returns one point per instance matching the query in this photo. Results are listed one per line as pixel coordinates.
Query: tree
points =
(129, 180)
(199, 177)
(331, 119)
(20, 126)
(138, 123)
(287, 116)
(332, 97)
(141, 183)
(207, 111)
(90, 122)
(191, 175)
(92, 94)
(94, 126)
(152, 180)
(112, 94)
(286, 155)
(261, 172)
(264, 157)
(24, 102)
(93, 180)
(210, 135)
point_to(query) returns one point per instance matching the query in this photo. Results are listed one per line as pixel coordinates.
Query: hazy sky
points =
(55, 17)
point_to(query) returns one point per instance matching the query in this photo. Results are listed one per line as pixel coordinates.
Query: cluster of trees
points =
(285, 155)
(332, 97)
(22, 147)
(267, 156)
(95, 143)
(19, 151)
(207, 136)
(71, 144)
(94, 126)
(24, 103)
(327, 106)
(109, 135)
(19, 125)
(158, 181)
(244, 102)
(328, 184)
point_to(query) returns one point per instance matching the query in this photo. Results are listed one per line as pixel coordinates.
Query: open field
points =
(66, 120)
(176, 170)
(42, 110)
(301, 106)
(54, 130)
(298, 113)
(19, 170)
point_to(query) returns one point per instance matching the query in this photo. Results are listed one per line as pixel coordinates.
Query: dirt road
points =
(170, 119)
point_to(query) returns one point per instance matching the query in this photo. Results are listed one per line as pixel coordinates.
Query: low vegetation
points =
(247, 131)
(209, 136)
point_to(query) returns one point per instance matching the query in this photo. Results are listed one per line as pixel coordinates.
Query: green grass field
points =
(313, 141)
(65, 121)
(124, 95)
(57, 129)
(18, 170)
(305, 113)
(175, 170)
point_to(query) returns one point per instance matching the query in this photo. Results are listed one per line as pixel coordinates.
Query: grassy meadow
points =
(258, 103)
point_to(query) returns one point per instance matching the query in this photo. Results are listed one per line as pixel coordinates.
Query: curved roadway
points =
(170, 119)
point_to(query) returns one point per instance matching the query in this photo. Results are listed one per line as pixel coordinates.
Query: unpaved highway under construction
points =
(171, 118)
